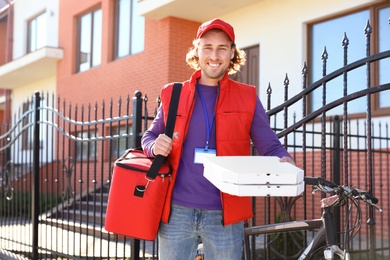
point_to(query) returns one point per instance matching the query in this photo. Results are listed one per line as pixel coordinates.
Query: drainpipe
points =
(10, 33)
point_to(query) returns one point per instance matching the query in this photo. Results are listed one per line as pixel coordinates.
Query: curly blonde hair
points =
(235, 63)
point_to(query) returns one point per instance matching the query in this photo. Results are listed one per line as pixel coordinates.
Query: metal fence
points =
(57, 161)
(349, 151)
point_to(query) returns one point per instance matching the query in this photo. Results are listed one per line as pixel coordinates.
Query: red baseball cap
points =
(216, 24)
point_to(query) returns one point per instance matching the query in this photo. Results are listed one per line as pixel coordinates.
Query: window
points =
(90, 40)
(129, 29)
(37, 32)
(119, 146)
(330, 34)
(85, 148)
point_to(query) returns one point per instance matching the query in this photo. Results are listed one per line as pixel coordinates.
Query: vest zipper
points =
(216, 148)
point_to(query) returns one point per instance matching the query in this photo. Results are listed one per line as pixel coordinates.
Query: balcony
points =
(33, 66)
(200, 10)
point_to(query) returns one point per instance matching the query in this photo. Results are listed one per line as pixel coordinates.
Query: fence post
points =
(35, 179)
(137, 119)
(136, 141)
(336, 167)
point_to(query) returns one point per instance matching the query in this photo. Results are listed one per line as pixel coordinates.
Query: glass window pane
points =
(85, 42)
(37, 33)
(33, 35)
(90, 40)
(137, 30)
(131, 27)
(384, 65)
(97, 38)
(85, 149)
(41, 31)
(124, 28)
(119, 146)
(330, 34)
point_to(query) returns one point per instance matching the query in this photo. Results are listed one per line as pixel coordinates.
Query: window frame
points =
(374, 48)
(116, 23)
(30, 33)
(91, 12)
(119, 146)
(81, 147)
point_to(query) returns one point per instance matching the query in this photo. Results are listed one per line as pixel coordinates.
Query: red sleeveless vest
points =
(235, 108)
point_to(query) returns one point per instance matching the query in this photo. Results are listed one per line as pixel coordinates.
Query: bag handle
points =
(158, 161)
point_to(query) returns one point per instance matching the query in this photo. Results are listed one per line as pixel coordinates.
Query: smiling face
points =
(214, 52)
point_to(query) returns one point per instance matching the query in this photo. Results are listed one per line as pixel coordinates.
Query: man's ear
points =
(233, 52)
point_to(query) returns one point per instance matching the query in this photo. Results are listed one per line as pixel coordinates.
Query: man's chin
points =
(215, 75)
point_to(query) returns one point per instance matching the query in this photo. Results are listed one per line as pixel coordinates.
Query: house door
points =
(249, 73)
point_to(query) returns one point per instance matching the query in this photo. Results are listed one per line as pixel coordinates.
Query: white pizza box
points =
(254, 175)
(252, 170)
(259, 190)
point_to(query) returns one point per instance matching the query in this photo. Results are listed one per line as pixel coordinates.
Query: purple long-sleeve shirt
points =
(191, 188)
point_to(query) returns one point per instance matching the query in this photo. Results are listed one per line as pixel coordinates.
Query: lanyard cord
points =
(208, 125)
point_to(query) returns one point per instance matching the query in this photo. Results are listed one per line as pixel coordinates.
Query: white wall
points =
(24, 10)
(21, 94)
(24, 94)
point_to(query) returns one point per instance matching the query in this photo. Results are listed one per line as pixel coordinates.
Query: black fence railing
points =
(57, 161)
(336, 147)
(53, 201)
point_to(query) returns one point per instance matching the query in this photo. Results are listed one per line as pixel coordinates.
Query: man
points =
(215, 115)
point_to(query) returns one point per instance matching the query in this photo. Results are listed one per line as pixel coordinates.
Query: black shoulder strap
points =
(157, 162)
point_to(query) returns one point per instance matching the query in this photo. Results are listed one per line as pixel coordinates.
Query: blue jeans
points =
(187, 227)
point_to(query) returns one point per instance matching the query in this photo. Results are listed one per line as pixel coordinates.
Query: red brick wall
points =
(162, 61)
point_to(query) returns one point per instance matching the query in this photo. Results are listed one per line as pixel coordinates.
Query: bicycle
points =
(324, 244)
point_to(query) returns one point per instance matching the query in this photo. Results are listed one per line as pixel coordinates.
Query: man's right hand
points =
(163, 144)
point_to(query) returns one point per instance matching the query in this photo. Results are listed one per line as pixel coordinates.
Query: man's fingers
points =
(287, 159)
(175, 135)
(163, 145)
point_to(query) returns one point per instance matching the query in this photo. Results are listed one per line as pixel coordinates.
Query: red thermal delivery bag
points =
(135, 202)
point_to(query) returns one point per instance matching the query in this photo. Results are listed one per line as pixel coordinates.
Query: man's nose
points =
(214, 54)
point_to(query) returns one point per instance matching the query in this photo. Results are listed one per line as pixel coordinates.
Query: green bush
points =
(20, 203)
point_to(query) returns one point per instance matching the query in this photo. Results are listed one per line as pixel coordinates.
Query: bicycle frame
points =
(315, 243)
(280, 227)
(327, 232)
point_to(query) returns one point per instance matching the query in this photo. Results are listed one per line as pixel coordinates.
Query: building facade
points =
(85, 51)
(88, 52)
